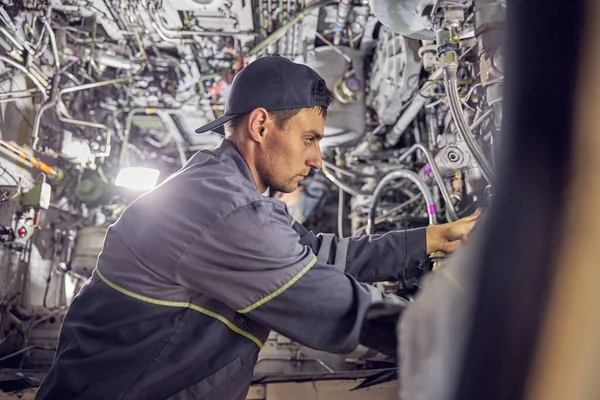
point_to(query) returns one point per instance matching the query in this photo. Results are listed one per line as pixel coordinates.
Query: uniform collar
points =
(228, 154)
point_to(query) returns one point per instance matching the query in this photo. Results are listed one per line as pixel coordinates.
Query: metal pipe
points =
(12, 39)
(72, 77)
(158, 26)
(53, 44)
(147, 111)
(411, 176)
(37, 72)
(389, 212)
(30, 159)
(285, 27)
(127, 132)
(84, 123)
(339, 170)
(171, 127)
(89, 86)
(450, 81)
(19, 92)
(479, 120)
(92, 63)
(340, 216)
(94, 85)
(335, 48)
(42, 43)
(416, 104)
(169, 39)
(11, 99)
(51, 102)
(107, 146)
(26, 71)
(436, 174)
(342, 185)
(341, 20)
(46, 106)
(138, 39)
(38, 121)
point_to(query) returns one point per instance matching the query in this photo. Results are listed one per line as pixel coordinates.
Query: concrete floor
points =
(27, 394)
(326, 390)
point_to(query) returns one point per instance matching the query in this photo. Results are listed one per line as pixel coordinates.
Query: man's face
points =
(289, 153)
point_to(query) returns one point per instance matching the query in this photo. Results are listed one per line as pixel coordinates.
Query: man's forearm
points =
(391, 256)
(375, 258)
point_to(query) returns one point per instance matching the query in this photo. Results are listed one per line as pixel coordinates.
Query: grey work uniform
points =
(195, 274)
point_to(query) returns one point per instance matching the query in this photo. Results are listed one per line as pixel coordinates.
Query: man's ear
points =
(257, 124)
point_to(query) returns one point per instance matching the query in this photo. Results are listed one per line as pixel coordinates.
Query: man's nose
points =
(316, 161)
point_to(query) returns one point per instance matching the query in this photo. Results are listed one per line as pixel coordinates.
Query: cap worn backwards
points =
(272, 82)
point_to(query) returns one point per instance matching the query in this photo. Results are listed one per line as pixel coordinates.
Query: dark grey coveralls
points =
(194, 275)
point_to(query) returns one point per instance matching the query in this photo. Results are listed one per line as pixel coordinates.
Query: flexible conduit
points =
(436, 174)
(411, 176)
(450, 82)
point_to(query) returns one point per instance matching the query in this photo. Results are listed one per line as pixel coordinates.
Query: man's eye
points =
(309, 141)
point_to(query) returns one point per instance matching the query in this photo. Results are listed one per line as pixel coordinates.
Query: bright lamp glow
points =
(75, 149)
(137, 178)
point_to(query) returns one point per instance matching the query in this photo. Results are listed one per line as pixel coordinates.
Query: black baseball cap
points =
(272, 82)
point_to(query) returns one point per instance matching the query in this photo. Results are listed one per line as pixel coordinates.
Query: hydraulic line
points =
(436, 174)
(412, 110)
(128, 124)
(51, 102)
(58, 99)
(30, 159)
(279, 33)
(404, 174)
(335, 48)
(27, 72)
(340, 170)
(147, 111)
(342, 185)
(176, 35)
(10, 99)
(450, 81)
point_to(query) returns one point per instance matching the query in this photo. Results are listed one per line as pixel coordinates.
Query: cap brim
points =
(216, 125)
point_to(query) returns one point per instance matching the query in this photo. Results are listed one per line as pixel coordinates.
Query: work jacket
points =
(194, 275)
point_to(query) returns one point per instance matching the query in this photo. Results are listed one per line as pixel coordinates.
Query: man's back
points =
(134, 331)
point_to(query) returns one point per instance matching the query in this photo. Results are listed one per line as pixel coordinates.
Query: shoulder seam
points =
(213, 224)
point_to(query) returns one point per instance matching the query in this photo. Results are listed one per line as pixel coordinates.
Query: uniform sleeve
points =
(252, 260)
(396, 255)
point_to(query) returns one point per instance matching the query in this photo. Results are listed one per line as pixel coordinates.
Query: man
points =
(195, 274)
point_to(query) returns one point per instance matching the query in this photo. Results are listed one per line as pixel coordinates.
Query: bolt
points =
(453, 156)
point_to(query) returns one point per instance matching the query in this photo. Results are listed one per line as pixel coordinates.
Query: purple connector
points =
(432, 209)
(427, 169)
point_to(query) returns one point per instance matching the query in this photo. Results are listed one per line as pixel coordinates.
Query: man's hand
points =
(448, 237)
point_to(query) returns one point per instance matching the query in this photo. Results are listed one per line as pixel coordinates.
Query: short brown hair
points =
(281, 117)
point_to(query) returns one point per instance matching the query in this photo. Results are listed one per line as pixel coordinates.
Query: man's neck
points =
(247, 154)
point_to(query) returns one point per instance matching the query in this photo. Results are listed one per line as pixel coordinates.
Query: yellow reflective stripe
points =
(281, 289)
(293, 221)
(180, 304)
(139, 296)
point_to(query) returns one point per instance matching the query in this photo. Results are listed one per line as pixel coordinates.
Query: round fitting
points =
(348, 88)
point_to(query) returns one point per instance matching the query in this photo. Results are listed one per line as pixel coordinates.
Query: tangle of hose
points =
(450, 82)
(405, 174)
